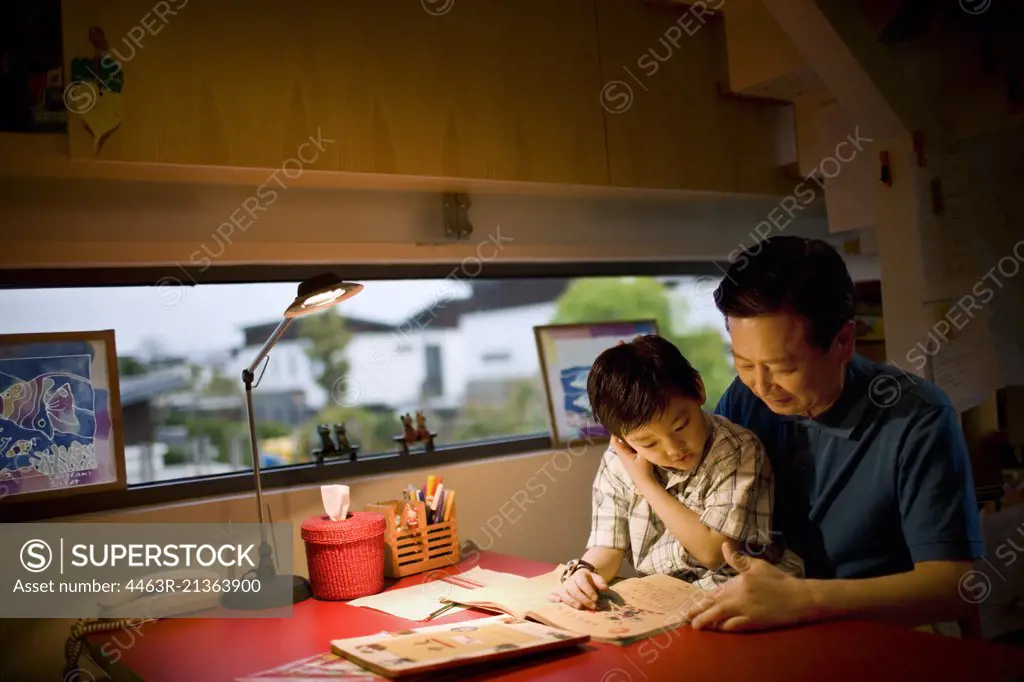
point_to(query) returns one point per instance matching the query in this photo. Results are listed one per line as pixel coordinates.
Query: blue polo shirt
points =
(878, 482)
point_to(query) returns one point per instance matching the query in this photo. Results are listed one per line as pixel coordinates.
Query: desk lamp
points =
(315, 295)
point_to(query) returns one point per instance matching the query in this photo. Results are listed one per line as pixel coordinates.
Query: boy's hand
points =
(580, 590)
(640, 469)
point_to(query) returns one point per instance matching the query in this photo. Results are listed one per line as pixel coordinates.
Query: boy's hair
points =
(788, 274)
(631, 385)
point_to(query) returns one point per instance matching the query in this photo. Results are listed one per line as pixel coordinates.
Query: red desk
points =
(218, 650)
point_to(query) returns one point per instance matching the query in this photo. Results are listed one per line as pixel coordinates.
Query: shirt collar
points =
(843, 417)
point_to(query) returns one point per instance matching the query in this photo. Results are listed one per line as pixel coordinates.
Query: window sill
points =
(165, 492)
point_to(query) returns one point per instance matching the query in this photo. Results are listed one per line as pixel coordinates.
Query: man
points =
(873, 480)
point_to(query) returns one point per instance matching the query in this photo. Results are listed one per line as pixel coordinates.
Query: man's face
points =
(774, 358)
(675, 439)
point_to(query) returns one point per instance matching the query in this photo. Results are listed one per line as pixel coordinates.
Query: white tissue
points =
(336, 501)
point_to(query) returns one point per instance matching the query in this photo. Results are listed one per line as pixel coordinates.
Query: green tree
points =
(523, 412)
(222, 385)
(327, 336)
(128, 366)
(638, 298)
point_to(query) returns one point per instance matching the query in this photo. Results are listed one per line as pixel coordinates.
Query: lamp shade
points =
(319, 293)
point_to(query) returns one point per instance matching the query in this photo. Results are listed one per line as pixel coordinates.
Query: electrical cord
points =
(88, 626)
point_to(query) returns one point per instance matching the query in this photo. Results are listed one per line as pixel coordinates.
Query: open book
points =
(632, 609)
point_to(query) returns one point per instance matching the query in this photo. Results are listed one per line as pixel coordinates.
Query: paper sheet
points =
(965, 367)
(419, 601)
(412, 603)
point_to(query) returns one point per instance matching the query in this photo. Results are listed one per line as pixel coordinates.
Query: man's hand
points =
(640, 470)
(580, 590)
(759, 598)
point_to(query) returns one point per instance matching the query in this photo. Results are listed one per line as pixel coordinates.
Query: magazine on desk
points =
(452, 646)
(632, 609)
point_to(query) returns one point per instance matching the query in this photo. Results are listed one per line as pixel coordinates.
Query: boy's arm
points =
(738, 505)
(609, 521)
(606, 560)
(700, 542)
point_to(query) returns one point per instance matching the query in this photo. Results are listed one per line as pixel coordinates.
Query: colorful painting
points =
(566, 354)
(59, 414)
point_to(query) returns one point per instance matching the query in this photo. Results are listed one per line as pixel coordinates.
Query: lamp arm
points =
(274, 336)
(248, 374)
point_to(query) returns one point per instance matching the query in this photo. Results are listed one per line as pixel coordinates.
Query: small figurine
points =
(409, 432)
(344, 446)
(421, 427)
(327, 444)
(415, 434)
(411, 519)
(342, 436)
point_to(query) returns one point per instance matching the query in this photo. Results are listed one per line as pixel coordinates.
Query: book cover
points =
(318, 668)
(452, 645)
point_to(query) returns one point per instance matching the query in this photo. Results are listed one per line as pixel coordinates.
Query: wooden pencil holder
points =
(408, 551)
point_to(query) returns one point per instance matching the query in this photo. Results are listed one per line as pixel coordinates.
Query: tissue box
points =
(345, 557)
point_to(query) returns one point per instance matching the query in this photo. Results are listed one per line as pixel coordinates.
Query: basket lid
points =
(355, 526)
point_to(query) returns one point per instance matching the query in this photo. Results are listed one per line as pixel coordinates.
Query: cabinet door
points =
(668, 126)
(441, 88)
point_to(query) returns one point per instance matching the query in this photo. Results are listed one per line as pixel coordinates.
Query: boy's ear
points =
(703, 391)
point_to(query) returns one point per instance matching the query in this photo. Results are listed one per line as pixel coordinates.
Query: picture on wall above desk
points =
(567, 352)
(60, 415)
(93, 95)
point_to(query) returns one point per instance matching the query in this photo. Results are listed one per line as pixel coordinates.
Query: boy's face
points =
(675, 439)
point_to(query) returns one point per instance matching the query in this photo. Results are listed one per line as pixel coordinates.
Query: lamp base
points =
(275, 592)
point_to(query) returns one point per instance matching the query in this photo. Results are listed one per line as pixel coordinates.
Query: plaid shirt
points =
(731, 488)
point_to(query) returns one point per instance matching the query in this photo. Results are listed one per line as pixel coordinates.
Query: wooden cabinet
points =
(487, 89)
(668, 125)
(505, 90)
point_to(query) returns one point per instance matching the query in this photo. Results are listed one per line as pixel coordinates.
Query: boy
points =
(677, 482)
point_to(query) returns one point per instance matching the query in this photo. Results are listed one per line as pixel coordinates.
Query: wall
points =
(92, 223)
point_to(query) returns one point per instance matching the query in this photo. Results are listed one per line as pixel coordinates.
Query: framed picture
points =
(60, 415)
(567, 352)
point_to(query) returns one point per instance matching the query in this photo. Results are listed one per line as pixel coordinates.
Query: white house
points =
(435, 356)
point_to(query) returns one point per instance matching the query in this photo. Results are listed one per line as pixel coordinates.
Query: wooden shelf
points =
(45, 155)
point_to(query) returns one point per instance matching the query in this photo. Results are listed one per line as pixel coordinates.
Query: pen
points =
(441, 610)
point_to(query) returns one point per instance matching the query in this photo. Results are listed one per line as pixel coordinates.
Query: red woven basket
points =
(345, 558)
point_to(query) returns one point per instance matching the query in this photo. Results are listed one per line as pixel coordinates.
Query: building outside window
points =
(464, 354)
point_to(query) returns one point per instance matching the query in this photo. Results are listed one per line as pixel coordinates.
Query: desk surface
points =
(218, 650)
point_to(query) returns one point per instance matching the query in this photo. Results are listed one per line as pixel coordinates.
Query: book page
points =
(513, 597)
(638, 607)
(658, 593)
(412, 603)
(612, 623)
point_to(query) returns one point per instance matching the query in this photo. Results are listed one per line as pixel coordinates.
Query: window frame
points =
(142, 495)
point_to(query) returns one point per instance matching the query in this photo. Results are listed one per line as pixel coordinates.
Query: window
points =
(397, 347)
(433, 386)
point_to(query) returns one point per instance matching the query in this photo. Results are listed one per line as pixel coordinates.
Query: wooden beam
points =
(842, 47)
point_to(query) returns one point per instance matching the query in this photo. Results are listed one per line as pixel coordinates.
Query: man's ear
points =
(703, 391)
(845, 341)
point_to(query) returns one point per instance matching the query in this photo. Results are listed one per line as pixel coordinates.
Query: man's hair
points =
(631, 385)
(787, 274)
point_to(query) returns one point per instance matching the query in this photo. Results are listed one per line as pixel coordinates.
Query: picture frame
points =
(60, 415)
(566, 353)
